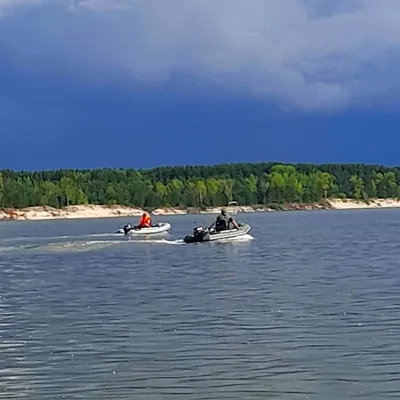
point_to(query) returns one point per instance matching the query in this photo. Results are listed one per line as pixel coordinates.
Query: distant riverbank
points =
(103, 211)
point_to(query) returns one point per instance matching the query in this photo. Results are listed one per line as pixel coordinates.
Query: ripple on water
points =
(307, 310)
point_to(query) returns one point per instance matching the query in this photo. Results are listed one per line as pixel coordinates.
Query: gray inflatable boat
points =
(204, 234)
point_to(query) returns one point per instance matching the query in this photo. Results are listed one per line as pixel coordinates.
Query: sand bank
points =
(101, 211)
(354, 204)
(71, 212)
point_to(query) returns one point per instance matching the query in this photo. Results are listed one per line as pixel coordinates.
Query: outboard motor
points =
(199, 233)
(127, 228)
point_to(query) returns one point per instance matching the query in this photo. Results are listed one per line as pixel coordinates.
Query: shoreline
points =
(113, 211)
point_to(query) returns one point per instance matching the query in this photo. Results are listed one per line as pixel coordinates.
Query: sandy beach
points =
(71, 212)
(338, 204)
(102, 211)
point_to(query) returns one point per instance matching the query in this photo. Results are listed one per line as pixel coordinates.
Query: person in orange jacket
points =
(145, 221)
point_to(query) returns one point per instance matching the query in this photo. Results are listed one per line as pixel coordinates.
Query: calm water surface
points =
(308, 309)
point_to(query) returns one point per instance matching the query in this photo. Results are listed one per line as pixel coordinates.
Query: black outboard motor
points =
(200, 234)
(127, 228)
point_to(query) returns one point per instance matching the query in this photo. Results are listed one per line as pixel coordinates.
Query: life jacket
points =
(145, 221)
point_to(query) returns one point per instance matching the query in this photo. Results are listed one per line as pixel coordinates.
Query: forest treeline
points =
(199, 186)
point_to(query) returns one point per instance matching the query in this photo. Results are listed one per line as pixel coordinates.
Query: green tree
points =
(212, 191)
(263, 188)
(251, 188)
(71, 193)
(213, 185)
(200, 189)
(175, 190)
(161, 192)
(227, 189)
(49, 194)
(325, 181)
(67, 190)
(358, 186)
(276, 187)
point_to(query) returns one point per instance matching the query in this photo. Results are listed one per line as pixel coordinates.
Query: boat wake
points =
(98, 244)
(58, 237)
(16, 248)
(79, 245)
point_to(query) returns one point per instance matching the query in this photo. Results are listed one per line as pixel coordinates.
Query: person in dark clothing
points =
(224, 222)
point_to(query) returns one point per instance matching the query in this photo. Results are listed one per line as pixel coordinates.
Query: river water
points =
(307, 307)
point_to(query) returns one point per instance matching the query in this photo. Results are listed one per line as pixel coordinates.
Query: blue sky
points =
(142, 83)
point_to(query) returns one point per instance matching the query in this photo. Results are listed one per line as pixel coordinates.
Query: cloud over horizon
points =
(304, 54)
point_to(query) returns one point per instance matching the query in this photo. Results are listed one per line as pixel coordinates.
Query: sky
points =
(144, 83)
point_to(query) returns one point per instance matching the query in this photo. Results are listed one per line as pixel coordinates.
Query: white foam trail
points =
(94, 242)
(17, 248)
(165, 241)
(28, 238)
(80, 246)
(73, 237)
(104, 243)
(10, 248)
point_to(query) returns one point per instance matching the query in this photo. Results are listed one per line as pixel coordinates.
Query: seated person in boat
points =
(145, 221)
(223, 222)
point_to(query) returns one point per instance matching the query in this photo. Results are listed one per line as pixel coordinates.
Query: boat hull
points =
(154, 230)
(211, 236)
